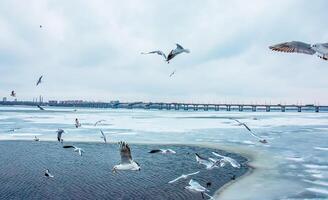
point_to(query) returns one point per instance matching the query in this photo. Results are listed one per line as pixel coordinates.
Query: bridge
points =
(180, 106)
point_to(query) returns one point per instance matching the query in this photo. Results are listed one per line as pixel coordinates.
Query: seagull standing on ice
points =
(103, 136)
(127, 163)
(162, 151)
(59, 134)
(39, 80)
(183, 176)
(320, 49)
(209, 163)
(195, 187)
(47, 174)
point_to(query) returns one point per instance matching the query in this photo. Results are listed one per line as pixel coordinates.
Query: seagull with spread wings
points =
(76, 149)
(183, 176)
(178, 50)
(320, 49)
(208, 162)
(162, 151)
(99, 121)
(59, 134)
(127, 163)
(226, 159)
(264, 141)
(195, 187)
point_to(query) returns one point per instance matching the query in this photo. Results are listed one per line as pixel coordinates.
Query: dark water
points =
(89, 177)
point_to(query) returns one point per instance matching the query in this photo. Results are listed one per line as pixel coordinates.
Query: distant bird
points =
(39, 80)
(76, 149)
(59, 134)
(179, 49)
(264, 141)
(321, 49)
(77, 123)
(209, 163)
(172, 73)
(226, 159)
(47, 174)
(40, 26)
(163, 151)
(195, 187)
(183, 176)
(13, 130)
(13, 93)
(40, 107)
(127, 163)
(156, 52)
(242, 124)
(36, 139)
(98, 122)
(208, 184)
(103, 136)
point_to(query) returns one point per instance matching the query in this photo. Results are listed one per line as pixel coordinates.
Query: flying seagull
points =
(47, 174)
(195, 187)
(36, 139)
(320, 49)
(264, 141)
(163, 151)
(172, 73)
(40, 107)
(179, 49)
(13, 93)
(183, 176)
(98, 122)
(39, 80)
(209, 163)
(226, 159)
(127, 163)
(77, 123)
(76, 149)
(103, 136)
(59, 134)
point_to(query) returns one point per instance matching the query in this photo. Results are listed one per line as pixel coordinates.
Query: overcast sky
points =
(90, 50)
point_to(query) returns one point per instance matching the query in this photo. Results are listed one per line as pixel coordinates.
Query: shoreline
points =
(217, 193)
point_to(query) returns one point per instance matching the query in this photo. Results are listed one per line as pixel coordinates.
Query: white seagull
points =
(195, 187)
(264, 141)
(39, 80)
(183, 176)
(226, 159)
(98, 122)
(163, 151)
(47, 174)
(36, 139)
(209, 163)
(103, 136)
(59, 134)
(320, 49)
(179, 49)
(126, 159)
(76, 149)
(13, 93)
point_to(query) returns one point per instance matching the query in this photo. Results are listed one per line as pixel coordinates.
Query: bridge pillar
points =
(268, 108)
(168, 106)
(206, 107)
(283, 108)
(176, 106)
(253, 108)
(228, 107)
(186, 107)
(299, 109)
(216, 107)
(195, 107)
(317, 109)
(161, 106)
(240, 108)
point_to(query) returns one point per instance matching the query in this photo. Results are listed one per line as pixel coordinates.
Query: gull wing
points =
(192, 173)
(103, 136)
(69, 146)
(246, 127)
(232, 161)
(293, 47)
(155, 151)
(174, 180)
(179, 46)
(125, 152)
(157, 52)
